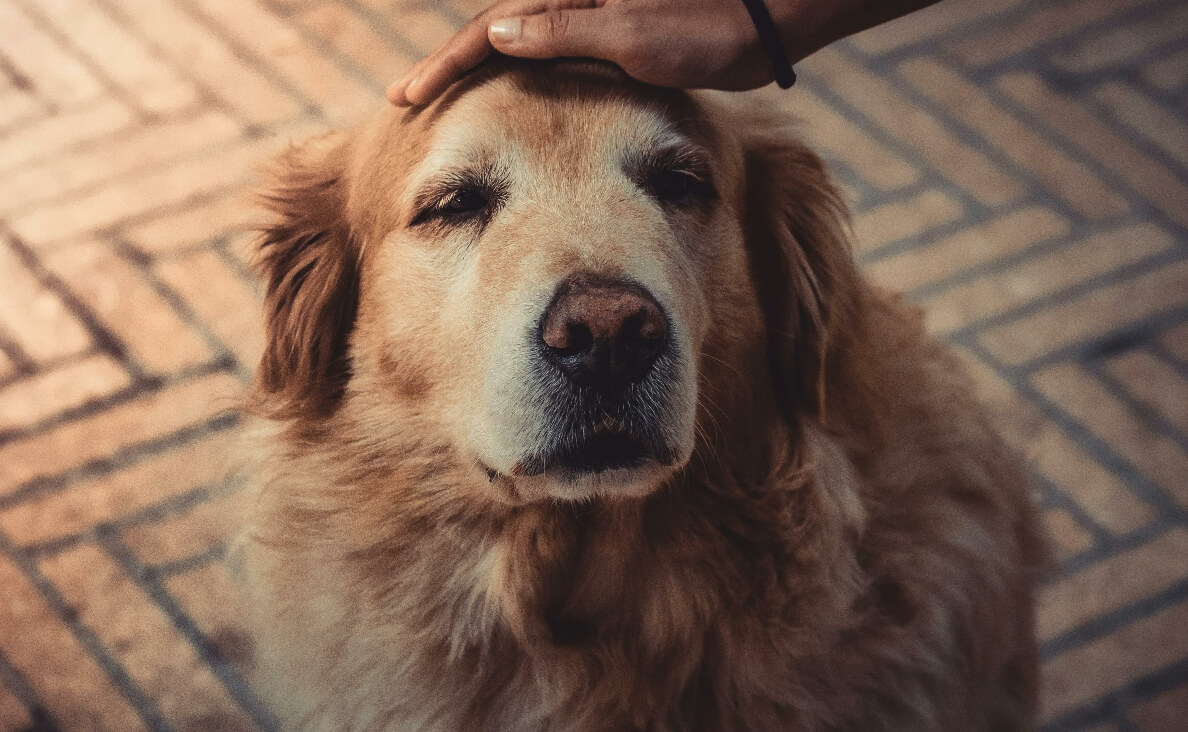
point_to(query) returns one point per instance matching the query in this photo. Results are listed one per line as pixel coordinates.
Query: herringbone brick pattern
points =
(1019, 168)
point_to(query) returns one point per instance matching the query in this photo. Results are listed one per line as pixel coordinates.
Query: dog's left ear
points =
(798, 241)
(309, 260)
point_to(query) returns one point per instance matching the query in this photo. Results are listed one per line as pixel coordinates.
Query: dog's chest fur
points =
(674, 610)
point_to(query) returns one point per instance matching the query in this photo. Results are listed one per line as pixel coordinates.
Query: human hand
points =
(677, 43)
(674, 43)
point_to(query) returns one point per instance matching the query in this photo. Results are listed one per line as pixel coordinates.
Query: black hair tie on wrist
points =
(770, 39)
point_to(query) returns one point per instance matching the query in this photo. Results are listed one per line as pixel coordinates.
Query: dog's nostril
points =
(641, 330)
(603, 333)
(570, 340)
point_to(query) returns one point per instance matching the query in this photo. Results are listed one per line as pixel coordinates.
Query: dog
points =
(577, 414)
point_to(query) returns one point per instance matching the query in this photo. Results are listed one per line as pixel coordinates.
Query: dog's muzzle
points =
(605, 363)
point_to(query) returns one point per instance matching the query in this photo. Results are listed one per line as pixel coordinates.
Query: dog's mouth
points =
(594, 440)
(598, 454)
(596, 451)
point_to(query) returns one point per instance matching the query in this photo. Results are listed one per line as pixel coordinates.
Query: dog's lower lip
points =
(601, 452)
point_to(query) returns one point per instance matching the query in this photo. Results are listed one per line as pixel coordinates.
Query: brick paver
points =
(1020, 169)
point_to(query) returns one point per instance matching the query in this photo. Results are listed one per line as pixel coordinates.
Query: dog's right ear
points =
(798, 241)
(310, 264)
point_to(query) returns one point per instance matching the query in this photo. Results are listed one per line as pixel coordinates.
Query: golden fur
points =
(842, 543)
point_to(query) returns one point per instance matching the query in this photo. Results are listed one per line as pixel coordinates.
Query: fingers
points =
(465, 50)
(432, 74)
(557, 33)
(395, 92)
(549, 24)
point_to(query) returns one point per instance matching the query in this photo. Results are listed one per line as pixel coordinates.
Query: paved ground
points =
(1020, 168)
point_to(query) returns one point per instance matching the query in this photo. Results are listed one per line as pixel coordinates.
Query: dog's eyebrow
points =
(681, 154)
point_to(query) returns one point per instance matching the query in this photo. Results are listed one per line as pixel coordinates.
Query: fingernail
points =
(506, 30)
(409, 87)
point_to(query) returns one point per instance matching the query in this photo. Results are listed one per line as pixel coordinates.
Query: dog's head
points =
(573, 280)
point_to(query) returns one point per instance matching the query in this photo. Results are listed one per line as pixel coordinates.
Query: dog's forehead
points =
(572, 118)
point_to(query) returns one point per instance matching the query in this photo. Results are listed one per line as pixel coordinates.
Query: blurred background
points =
(1019, 168)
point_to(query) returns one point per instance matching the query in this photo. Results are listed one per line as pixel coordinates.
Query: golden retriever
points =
(576, 414)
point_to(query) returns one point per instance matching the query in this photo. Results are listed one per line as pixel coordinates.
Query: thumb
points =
(553, 34)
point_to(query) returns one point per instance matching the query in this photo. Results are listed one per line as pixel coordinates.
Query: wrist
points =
(807, 26)
(772, 41)
(798, 23)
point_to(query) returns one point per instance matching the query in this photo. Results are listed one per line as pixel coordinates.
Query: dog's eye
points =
(677, 186)
(464, 202)
(459, 206)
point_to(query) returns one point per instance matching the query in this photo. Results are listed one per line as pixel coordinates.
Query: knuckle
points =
(557, 25)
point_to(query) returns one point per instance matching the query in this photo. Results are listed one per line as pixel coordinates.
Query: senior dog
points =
(576, 414)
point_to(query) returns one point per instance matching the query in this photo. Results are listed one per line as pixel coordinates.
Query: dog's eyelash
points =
(674, 177)
(459, 199)
(461, 204)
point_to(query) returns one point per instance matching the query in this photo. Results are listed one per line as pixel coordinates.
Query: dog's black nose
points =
(603, 333)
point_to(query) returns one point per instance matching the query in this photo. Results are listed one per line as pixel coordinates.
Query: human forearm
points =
(807, 26)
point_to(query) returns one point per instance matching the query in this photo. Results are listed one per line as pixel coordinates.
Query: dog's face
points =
(551, 269)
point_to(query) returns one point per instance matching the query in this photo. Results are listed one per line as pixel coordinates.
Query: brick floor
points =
(1018, 168)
